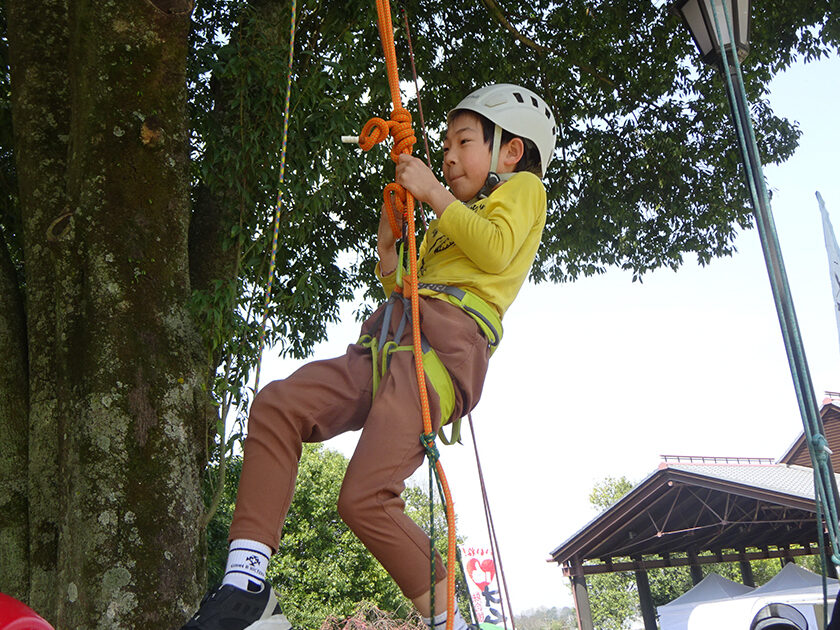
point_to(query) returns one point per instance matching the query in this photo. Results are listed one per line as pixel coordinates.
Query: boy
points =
(472, 263)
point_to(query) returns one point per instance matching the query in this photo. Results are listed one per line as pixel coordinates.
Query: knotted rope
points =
(399, 200)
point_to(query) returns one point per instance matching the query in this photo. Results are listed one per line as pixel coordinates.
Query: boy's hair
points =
(530, 160)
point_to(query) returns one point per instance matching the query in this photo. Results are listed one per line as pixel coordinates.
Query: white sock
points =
(246, 564)
(440, 621)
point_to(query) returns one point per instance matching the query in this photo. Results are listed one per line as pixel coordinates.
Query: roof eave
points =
(659, 478)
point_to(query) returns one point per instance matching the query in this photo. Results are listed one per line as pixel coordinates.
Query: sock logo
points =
(252, 561)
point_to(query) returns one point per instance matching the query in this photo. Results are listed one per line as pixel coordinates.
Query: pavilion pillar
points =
(645, 600)
(694, 567)
(788, 559)
(746, 569)
(581, 596)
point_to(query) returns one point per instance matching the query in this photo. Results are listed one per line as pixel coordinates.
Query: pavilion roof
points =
(707, 506)
(695, 508)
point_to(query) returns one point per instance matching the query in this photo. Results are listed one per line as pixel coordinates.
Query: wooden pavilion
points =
(702, 510)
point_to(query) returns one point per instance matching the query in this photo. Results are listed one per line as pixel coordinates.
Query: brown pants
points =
(325, 398)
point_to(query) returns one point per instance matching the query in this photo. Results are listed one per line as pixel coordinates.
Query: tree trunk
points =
(118, 398)
(14, 543)
(37, 33)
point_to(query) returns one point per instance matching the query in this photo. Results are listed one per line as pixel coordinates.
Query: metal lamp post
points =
(721, 30)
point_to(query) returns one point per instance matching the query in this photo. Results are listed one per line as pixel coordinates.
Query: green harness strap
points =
(436, 372)
(483, 314)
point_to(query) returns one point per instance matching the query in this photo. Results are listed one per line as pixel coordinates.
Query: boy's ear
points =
(511, 153)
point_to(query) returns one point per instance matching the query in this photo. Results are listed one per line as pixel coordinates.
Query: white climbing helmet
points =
(517, 110)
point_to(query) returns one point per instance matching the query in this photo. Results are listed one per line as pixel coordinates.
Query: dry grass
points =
(368, 617)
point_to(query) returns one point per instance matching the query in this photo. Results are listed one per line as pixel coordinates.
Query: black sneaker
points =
(231, 608)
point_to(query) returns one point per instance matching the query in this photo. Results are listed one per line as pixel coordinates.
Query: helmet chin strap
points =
(494, 178)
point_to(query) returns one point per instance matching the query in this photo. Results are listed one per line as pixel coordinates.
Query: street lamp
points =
(698, 16)
(721, 30)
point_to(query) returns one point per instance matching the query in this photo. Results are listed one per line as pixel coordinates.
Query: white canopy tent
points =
(675, 614)
(793, 585)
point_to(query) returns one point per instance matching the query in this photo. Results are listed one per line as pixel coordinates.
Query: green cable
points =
(432, 542)
(823, 557)
(428, 440)
(825, 488)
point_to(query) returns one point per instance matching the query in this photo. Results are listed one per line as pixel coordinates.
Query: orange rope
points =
(398, 199)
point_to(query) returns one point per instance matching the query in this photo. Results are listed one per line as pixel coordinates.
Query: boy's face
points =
(466, 157)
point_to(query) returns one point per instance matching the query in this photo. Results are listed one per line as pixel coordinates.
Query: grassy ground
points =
(369, 617)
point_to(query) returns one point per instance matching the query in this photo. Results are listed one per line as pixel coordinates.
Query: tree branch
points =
(496, 11)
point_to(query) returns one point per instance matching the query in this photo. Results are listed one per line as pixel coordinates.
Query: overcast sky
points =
(600, 377)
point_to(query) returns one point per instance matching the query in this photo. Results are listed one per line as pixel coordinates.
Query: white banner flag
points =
(833, 259)
(483, 585)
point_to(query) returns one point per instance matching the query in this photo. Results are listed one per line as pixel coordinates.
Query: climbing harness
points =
(488, 321)
(381, 347)
(433, 367)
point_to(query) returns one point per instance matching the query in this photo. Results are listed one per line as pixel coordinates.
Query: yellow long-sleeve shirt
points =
(487, 247)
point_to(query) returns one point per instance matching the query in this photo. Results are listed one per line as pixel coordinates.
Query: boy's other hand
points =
(418, 179)
(385, 241)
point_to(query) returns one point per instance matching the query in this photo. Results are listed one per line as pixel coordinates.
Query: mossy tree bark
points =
(14, 525)
(113, 416)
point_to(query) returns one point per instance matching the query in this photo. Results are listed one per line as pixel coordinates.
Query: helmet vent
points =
(518, 97)
(547, 113)
(534, 102)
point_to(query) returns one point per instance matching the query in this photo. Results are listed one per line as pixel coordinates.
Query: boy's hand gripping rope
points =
(377, 130)
(398, 199)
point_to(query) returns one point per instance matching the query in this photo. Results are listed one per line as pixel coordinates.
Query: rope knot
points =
(428, 440)
(374, 132)
(402, 132)
(820, 446)
(399, 128)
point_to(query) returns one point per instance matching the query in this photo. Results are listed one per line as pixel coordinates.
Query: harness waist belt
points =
(483, 314)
